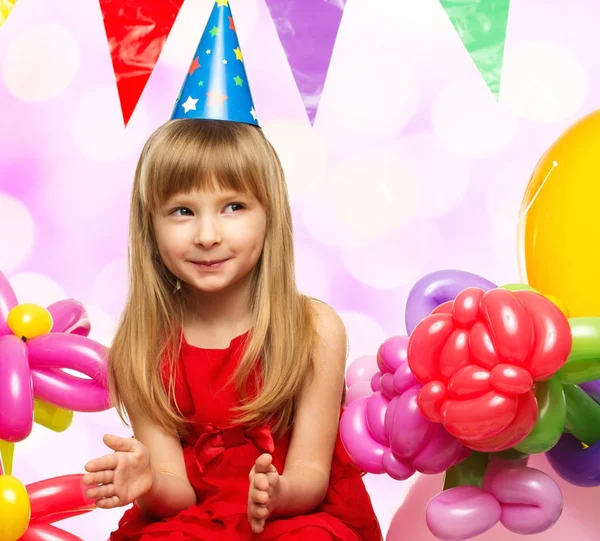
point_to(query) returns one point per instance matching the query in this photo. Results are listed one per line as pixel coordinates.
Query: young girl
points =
(230, 378)
(236, 431)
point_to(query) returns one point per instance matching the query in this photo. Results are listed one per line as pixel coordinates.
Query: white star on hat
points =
(253, 113)
(190, 104)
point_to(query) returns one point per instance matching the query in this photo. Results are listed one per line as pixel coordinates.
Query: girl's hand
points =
(264, 493)
(122, 476)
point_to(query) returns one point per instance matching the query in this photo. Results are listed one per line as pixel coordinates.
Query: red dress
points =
(219, 457)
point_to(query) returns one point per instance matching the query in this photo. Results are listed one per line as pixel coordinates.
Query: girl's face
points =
(210, 239)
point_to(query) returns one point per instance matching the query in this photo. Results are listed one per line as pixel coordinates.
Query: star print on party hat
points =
(216, 86)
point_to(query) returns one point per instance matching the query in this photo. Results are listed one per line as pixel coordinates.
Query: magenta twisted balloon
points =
(34, 368)
(525, 500)
(386, 432)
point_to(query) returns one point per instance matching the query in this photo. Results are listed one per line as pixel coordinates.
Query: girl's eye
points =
(234, 207)
(182, 211)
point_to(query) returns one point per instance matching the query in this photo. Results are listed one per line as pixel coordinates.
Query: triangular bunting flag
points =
(481, 25)
(5, 9)
(307, 30)
(136, 31)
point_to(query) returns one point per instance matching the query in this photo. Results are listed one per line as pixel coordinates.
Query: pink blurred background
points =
(411, 166)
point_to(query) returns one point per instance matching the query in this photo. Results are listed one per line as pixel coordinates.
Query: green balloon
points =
(510, 454)
(469, 472)
(518, 287)
(550, 424)
(583, 415)
(583, 363)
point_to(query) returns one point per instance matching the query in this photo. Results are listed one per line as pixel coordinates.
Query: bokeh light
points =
(543, 81)
(302, 153)
(397, 259)
(17, 233)
(98, 130)
(36, 288)
(365, 335)
(470, 122)
(41, 62)
(109, 290)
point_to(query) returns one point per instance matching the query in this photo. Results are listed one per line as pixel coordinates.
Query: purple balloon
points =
(69, 316)
(578, 466)
(358, 390)
(8, 300)
(435, 289)
(592, 388)
(16, 393)
(461, 513)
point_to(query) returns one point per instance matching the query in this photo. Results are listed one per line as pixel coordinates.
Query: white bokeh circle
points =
(543, 81)
(397, 259)
(302, 153)
(373, 193)
(313, 274)
(109, 290)
(36, 288)
(442, 178)
(103, 325)
(98, 130)
(41, 62)
(503, 203)
(469, 121)
(17, 233)
(368, 94)
(365, 335)
(187, 31)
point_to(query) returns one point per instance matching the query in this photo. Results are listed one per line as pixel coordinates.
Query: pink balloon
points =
(361, 369)
(364, 450)
(442, 451)
(392, 353)
(69, 316)
(376, 409)
(531, 501)
(461, 513)
(358, 390)
(50, 352)
(376, 382)
(8, 301)
(16, 393)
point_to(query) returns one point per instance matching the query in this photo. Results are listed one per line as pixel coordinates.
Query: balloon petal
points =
(575, 464)
(8, 300)
(70, 316)
(531, 501)
(360, 445)
(69, 392)
(16, 393)
(52, 497)
(447, 513)
(435, 289)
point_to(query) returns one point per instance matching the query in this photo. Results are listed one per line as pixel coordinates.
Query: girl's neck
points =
(225, 311)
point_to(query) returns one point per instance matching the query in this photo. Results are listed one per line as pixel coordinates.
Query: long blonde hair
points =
(180, 156)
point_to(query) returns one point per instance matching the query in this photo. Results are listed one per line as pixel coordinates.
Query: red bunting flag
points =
(136, 31)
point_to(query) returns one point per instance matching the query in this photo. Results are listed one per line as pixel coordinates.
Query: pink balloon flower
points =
(386, 432)
(34, 367)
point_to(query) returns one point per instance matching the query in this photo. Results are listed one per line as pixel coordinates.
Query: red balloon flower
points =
(478, 358)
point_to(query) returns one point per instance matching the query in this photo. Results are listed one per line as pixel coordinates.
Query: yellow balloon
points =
(7, 453)
(15, 509)
(29, 321)
(50, 416)
(559, 224)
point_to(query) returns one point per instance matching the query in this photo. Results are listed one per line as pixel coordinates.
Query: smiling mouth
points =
(209, 264)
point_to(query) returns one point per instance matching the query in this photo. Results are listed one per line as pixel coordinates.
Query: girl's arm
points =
(171, 491)
(305, 478)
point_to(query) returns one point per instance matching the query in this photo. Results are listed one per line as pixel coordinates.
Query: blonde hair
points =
(180, 156)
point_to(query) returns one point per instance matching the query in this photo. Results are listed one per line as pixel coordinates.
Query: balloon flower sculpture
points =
(36, 345)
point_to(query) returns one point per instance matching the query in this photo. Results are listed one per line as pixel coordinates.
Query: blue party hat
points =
(216, 86)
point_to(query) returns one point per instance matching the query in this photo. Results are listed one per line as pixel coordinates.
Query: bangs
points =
(193, 154)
